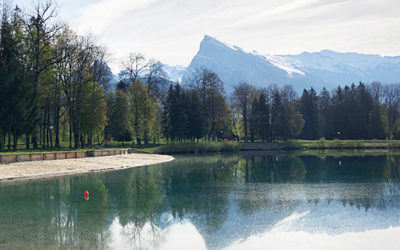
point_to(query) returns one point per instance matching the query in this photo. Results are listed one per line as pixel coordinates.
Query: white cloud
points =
(100, 15)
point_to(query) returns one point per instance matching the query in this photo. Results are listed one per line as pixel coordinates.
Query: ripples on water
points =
(212, 201)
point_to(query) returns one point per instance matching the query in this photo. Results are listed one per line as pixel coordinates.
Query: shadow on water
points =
(224, 197)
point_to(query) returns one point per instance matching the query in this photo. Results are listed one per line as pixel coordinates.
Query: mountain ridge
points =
(326, 68)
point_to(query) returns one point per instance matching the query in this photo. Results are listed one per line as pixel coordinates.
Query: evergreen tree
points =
(338, 120)
(16, 100)
(193, 115)
(278, 121)
(324, 110)
(309, 111)
(259, 118)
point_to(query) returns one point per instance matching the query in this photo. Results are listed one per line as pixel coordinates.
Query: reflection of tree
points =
(379, 170)
(199, 188)
(53, 212)
(267, 169)
(80, 223)
(137, 200)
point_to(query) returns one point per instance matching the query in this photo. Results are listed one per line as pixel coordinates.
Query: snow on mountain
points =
(174, 73)
(284, 63)
(318, 69)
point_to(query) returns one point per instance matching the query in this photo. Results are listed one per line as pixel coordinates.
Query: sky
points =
(171, 30)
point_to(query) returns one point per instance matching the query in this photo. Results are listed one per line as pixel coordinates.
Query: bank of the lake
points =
(189, 147)
(51, 168)
(340, 144)
(231, 146)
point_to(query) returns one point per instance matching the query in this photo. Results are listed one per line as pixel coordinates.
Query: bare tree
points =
(288, 93)
(156, 79)
(209, 89)
(133, 66)
(241, 99)
(391, 99)
(376, 90)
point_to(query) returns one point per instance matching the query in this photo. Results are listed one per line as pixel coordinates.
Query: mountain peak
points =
(208, 37)
(209, 42)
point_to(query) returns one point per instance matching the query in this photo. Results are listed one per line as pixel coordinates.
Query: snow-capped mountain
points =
(318, 69)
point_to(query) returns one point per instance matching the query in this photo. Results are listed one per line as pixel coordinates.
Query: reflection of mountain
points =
(223, 198)
(329, 208)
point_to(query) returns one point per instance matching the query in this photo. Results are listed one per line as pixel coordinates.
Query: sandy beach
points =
(51, 168)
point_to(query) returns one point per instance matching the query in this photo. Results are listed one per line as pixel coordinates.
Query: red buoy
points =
(86, 195)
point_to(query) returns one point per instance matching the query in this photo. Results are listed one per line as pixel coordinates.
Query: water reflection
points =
(216, 201)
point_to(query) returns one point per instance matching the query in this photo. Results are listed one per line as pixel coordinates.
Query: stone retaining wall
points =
(10, 158)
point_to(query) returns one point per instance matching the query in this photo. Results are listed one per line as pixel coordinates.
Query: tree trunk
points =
(90, 139)
(34, 139)
(82, 141)
(146, 138)
(43, 131)
(51, 139)
(9, 141)
(15, 142)
(245, 126)
(57, 128)
(48, 127)
(70, 134)
(2, 138)
(27, 141)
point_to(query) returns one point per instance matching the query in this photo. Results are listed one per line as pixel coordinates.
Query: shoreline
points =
(30, 170)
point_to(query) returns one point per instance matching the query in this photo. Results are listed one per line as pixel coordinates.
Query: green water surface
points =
(209, 201)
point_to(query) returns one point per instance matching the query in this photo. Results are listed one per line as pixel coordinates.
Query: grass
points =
(340, 144)
(191, 147)
(311, 146)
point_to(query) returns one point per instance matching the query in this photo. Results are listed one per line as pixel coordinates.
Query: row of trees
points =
(55, 85)
(55, 91)
(133, 113)
(49, 78)
(353, 112)
(350, 112)
(198, 111)
(266, 114)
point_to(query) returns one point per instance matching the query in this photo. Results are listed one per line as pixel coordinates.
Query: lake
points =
(213, 201)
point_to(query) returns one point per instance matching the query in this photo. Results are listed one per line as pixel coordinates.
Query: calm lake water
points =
(250, 201)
